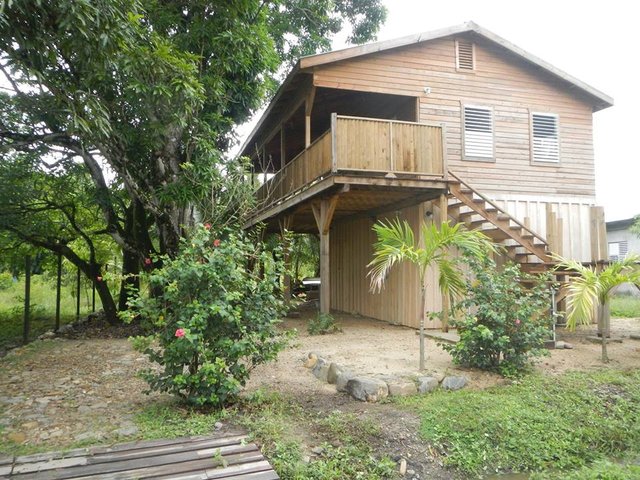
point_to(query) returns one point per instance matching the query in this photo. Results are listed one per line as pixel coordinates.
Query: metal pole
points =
(27, 299)
(58, 289)
(78, 295)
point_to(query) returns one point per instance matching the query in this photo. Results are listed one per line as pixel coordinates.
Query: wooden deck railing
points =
(388, 146)
(361, 145)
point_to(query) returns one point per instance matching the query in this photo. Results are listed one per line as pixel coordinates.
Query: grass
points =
(275, 422)
(43, 307)
(561, 423)
(625, 306)
(603, 470)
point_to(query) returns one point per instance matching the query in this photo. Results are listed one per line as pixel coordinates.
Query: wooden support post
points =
(283, 148)
(27, 299)
(323, 212)
(308, 108)
(58, 291)
(78, 294)
(285, 225)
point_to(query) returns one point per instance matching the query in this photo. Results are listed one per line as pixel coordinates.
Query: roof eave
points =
(282, 88)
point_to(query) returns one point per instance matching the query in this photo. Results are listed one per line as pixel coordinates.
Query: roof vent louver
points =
(464, 55)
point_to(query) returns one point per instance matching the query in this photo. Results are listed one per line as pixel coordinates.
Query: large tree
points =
(144, 95)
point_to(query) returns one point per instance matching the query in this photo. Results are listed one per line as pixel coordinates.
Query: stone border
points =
(372, 389)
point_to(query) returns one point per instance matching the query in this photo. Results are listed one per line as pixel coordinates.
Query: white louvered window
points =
(464, 55)
(546, 144)
(618, 250)
(478, 133)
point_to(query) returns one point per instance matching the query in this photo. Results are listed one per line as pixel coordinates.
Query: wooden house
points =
(456, 124)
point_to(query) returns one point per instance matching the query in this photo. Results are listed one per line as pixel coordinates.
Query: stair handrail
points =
(500, 209)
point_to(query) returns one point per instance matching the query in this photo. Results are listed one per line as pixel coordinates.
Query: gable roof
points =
(621, 224)
(305, 65)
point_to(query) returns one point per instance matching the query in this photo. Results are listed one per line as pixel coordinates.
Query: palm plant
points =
(593, 288)
(396, 243)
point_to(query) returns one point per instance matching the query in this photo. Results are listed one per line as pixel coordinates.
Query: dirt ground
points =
(64, 391)
(370, 347)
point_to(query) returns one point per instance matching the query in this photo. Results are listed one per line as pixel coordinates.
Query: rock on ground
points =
(367, 389)
(401, 388)
(454, 383)
(334, 372)
(427, 384)
(342, 380)
(321, 369)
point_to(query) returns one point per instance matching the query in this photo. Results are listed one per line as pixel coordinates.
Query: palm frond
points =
(395, 243)
(591, 287)
(582, 297)
(450, 278)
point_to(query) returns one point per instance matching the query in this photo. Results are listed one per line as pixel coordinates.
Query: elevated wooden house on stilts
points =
(456, 124)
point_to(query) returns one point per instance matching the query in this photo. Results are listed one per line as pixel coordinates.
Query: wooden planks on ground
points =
(191, 458)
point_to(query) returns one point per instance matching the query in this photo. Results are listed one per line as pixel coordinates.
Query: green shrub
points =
(322, 324)
(214, 311)
(6, 280)
(505, 324)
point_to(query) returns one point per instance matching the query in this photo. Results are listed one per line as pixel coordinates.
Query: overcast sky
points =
(590, 40)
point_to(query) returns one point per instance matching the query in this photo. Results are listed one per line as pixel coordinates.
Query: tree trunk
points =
(108, 304)
(130, 278)
(604, 321)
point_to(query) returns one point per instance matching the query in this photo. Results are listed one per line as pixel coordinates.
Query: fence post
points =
(78, 295)
(27, 299)
(58, 288)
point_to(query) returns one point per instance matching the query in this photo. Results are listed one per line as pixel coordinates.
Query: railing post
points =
(334, 158)
(392, 160)
(443, 151)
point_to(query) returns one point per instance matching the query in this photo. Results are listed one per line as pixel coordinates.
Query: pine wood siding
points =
(502, 81)
(399, 301)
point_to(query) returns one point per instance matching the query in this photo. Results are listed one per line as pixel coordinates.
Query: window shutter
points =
(618, 250)
(478, 132)
(546, 147)
(464, 55)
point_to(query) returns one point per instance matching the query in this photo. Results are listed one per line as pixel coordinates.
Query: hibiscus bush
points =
(504, 320)
(213, 314)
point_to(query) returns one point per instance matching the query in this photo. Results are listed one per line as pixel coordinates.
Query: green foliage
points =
(6, 280)
(322, 324)
(152, 91)
(43, 307)
(214, 316)
(625, 306)
(556, 423)
(503, 324)
(591, 287)
(635, 228)
(274, 421)
(172, 420)
(396, 243)
(305, 256)
(602, 470)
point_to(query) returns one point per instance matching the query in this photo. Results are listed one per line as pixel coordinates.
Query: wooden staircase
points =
(521, 244)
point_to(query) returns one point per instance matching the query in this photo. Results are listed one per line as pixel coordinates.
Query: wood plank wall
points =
(502, 81)
(399, 301)
(564, 222)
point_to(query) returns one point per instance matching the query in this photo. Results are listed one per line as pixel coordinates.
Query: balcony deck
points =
(375, 165)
